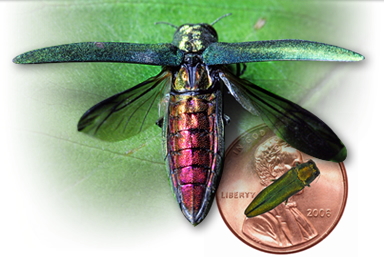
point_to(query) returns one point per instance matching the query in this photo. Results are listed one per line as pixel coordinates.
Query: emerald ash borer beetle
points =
(194, 75)
(291, 182)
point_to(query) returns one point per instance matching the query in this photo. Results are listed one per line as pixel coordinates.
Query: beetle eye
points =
(210, 29)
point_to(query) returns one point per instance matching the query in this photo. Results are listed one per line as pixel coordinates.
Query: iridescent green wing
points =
(295, 125)
(127, 113)
(153, 54)
(276, 50)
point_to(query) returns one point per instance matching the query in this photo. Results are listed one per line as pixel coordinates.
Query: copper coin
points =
(252, 161)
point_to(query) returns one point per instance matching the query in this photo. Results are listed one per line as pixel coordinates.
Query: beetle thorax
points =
(192, 78)
(194, 38)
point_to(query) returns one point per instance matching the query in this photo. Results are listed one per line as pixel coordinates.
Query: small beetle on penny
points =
(290, 183)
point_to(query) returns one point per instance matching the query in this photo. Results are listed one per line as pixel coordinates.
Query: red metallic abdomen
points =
(194, 150)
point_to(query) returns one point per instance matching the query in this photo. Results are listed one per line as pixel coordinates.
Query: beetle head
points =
(307, 172)
(194, 38)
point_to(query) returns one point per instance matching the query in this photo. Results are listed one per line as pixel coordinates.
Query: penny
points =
(251, 163)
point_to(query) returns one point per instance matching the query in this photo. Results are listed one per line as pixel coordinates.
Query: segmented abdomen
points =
(194, 148)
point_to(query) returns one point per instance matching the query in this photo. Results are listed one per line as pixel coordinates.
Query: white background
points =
(26, 229)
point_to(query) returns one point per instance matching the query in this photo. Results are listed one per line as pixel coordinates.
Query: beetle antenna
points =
(167, 23)
(225, 15)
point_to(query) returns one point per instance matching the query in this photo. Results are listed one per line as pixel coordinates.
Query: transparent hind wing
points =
(295, 125)
(127, 113)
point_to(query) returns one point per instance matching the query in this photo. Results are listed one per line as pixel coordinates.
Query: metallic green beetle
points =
(291, 182)
(195, 73)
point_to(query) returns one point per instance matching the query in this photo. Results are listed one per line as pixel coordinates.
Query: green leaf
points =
(125, 184)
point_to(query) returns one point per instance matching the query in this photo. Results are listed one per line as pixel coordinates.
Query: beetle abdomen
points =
(194, 151)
